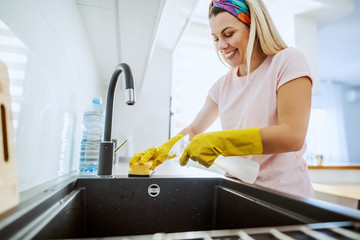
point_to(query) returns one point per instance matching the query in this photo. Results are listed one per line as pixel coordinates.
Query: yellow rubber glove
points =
(206, 147)
(156, 154)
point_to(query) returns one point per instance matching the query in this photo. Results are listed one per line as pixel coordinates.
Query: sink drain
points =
(153, 190)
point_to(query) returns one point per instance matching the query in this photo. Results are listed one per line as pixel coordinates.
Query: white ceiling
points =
(127, 31)
(121, 31)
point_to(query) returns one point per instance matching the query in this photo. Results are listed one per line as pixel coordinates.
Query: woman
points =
(263, 101)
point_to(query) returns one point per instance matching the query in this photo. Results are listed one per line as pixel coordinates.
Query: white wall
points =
(61, 77)
(147, 122)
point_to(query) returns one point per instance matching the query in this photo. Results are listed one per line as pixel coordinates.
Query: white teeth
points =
(230, 53)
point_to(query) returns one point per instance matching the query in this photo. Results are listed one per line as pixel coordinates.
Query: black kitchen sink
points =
(115, 207)
(93, 207)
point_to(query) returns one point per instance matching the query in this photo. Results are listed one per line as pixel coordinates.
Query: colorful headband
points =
(238, 8)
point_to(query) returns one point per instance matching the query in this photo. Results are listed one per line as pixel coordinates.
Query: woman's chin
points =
(233, 64)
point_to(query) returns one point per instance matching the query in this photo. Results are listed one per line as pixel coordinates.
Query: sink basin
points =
(115, 207)
(89, 207)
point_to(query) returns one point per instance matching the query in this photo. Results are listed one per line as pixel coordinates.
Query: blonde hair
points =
(263, 32)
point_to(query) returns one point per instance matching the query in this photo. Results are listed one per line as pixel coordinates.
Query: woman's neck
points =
(257, 58)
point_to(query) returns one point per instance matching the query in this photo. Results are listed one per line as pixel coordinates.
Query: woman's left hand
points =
(206, 147)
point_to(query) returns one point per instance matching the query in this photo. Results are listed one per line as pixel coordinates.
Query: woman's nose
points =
(222, 44)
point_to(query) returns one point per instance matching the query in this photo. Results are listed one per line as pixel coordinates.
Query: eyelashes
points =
(225, 36)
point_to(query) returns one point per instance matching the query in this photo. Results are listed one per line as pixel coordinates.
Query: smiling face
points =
(231, 37)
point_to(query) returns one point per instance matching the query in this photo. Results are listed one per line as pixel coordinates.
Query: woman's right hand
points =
(144, 157)
(203, 120)
(156, 154)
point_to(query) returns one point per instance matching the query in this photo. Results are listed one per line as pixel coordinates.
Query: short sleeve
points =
(214, 92)
(292, 65)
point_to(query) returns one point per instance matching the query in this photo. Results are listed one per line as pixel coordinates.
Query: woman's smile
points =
(230, 55)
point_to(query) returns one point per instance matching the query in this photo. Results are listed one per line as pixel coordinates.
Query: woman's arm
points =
(294, 104)
(203, 120)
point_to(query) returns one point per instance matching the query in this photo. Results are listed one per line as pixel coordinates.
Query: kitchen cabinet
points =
(347, 194)
(343, 189)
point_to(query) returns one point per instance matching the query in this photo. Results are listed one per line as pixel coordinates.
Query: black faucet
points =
(106, 155)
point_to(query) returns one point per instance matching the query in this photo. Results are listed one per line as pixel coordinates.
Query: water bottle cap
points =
(96, 100)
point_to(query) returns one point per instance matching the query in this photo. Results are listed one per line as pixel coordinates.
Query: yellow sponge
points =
(140, 170)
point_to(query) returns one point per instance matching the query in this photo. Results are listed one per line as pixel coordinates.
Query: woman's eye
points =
(216, 39)
(228, 35)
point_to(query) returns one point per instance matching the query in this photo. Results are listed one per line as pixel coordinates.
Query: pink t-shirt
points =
(249, 102)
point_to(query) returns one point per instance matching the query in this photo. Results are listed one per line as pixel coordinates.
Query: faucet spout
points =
(106, 154)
